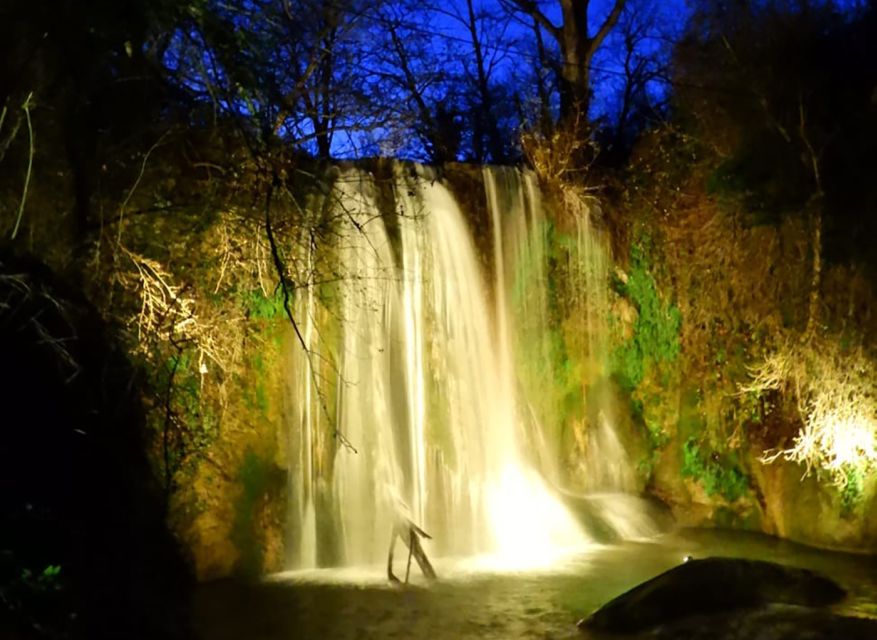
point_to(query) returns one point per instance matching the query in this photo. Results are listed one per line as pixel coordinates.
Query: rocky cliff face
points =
(742, 286)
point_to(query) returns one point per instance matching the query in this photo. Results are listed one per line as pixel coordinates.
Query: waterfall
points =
(413, 358)
(557, 335)
(563, 336)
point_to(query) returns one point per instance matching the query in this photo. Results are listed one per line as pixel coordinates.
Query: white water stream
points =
(417, 370)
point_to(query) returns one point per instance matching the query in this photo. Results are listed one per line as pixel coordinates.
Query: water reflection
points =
(475, 600)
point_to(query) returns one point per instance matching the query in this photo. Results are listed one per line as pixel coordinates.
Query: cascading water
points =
(530, 246)
(412, 361)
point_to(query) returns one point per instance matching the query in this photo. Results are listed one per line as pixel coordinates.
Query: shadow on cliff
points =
(84, 551)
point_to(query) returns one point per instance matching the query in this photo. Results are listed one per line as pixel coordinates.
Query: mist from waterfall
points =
(413, 360)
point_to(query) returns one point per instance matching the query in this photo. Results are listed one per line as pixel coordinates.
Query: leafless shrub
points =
(835, 391)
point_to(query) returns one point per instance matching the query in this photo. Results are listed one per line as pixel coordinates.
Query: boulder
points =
(770, 622)
(712, 586)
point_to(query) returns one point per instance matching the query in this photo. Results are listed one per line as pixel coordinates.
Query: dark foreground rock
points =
(772, 622)
(713, 586)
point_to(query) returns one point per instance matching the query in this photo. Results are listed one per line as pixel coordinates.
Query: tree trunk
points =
(575, 48)
(546, 123)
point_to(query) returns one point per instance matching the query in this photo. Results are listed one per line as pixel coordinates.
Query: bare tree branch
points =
(605, 28)
(529, 7)
(286, 288)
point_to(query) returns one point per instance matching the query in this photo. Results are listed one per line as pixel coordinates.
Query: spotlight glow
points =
(532, 528)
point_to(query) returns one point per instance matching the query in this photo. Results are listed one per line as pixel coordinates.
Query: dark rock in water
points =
(709, 586)
(772, 622)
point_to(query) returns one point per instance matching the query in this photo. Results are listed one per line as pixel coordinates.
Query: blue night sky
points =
(510, 46)
(662, 22)
(437, 38)
(440, 30)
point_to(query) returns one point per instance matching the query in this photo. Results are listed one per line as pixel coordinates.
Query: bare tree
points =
(577, 48)
(480, 53)
(643, 60)
(323, 90)
(415, 81)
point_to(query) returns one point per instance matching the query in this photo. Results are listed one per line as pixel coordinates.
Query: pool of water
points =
(475, 598)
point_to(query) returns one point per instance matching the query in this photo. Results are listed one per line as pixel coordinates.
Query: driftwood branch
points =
(410, 534)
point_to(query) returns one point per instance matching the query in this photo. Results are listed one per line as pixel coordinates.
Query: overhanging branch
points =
(287, 287)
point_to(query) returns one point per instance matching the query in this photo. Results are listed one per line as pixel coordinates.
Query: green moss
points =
(853, 493)
(253, 478)
(719, 474)
(656, 440)
(637, 408)
(258, 306)
(256, 395)
(258, 401)
(657, 437)
(656, 330)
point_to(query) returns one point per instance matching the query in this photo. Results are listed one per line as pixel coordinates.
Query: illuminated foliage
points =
(835, 391)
